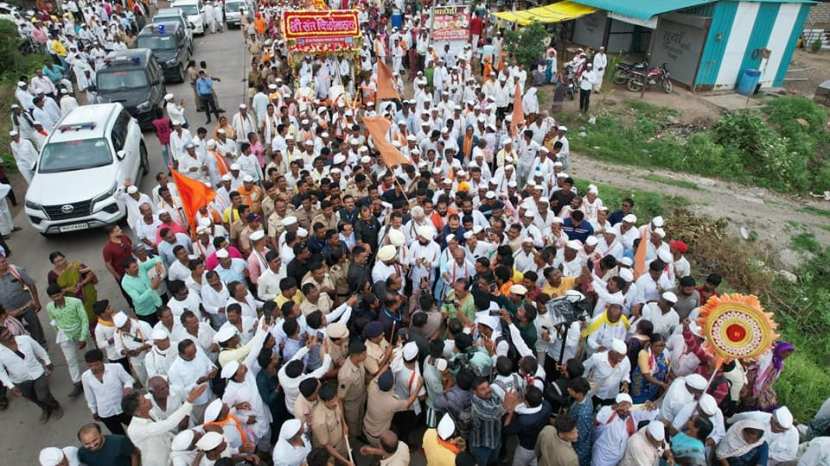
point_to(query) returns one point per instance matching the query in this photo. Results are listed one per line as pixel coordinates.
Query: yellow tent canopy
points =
(553, 13)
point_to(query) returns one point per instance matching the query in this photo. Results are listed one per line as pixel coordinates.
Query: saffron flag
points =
(518, 117)
(386, 84)
(194, 195)
(640, 254)
(378, 127)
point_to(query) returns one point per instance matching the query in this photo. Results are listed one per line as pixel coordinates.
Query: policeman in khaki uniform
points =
(328, 426)
(378, 349)
(338, 347)
(351, 379)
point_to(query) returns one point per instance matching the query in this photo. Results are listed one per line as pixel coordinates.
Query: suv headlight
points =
(143, 106)
(33, 205)
(106, 195)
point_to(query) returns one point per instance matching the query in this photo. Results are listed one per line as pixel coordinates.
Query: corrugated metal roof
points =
(645, 9)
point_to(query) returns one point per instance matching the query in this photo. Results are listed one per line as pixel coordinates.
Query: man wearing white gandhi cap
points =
(615, 424)
(441, 444)
(608, 371)
(645, 447)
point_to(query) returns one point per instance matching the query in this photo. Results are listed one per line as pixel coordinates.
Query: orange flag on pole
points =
(518, 117)
(386, 84)
(194, 195)
(378, 127)
(640, 254)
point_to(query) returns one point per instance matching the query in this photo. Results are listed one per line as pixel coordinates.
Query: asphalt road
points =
(22, 436)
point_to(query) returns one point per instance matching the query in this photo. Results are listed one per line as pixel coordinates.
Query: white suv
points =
(194, 11)
(88, 155)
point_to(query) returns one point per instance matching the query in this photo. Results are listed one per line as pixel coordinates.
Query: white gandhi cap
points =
(50, 456)
(446, 427)
(210, 440)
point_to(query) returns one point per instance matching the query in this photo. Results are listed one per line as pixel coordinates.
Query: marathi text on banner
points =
(321, 31)
(304, 24)
(450, 23)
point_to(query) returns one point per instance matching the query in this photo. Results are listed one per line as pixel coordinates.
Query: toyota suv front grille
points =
(68, 211)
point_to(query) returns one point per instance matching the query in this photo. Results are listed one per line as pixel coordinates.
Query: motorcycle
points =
(658, 74)
(622, 72)
(571, 80)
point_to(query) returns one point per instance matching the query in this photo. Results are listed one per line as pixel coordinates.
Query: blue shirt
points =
(204, 86)
(583, 414)
(580, 232)
(235, 273)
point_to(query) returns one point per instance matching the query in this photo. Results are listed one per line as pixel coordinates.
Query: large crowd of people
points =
(469, 307)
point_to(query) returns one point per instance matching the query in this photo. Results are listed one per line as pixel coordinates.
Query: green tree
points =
(527, 44)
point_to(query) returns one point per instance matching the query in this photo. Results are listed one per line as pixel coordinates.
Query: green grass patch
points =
(647, 204)
(685, 184)
(805, 242)
(802, 311)
(783, 147)
(815, 211)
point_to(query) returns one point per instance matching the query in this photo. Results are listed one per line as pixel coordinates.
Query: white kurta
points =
(246, 391)
(184, 374)
(423, 260)
(25, 155)
(676, 397)
(611, 434)
(6, 219)
(158, 362)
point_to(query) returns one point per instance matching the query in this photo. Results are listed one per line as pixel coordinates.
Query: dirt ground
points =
(766, 215)
(808, 70)
(695, 111)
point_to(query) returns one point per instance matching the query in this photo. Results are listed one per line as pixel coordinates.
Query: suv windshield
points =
(233, 7)
(188, 10)
(121, 80)
(157, 42)
(74, 155)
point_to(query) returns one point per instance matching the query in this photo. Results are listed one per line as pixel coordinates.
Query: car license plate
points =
(74, 227)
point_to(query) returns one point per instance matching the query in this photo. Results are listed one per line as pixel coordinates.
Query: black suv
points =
(133, 78)
(170, 46)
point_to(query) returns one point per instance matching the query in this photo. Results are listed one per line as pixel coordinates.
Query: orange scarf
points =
(236, 424)
(467, 148)
(449, 446)
(221, 165)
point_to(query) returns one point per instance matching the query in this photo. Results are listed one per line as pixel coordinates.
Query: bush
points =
(12, 62)
(527, 45)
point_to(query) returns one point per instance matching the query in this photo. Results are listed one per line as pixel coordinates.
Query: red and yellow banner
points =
(315, 31)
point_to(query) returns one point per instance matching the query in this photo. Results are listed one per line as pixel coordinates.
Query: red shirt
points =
(163, 129)
(115, 254)
(476, 25)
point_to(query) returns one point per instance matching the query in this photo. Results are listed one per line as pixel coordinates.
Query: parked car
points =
(84, 161)
(234, 11)
(168, 43)
(134, 79)
(194, 11)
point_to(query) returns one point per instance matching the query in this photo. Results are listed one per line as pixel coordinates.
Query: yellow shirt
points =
(566, 284)
(436, 454)
(297, 298)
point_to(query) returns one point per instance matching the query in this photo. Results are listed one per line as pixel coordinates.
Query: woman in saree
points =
(743, 445)
(76, 280)
(689, 446)
(650, 374)
(759, 392)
